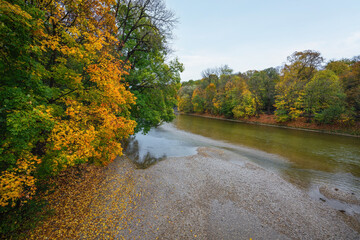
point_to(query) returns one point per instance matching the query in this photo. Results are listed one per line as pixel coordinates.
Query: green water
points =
(307, 157)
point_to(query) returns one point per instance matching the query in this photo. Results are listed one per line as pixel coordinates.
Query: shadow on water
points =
(158, 144)
(140, 159)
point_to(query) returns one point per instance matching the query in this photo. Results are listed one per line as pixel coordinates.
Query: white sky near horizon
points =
(257, 34)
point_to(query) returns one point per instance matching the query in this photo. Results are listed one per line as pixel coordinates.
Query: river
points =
(307, 159)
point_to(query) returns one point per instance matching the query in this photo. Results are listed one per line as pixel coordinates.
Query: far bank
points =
(300, 124)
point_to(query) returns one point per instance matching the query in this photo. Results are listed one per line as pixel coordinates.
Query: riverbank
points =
(203, 196)
(89, 202)
(206, 196)
(300, 124)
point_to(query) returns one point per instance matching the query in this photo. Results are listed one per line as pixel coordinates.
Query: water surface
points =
(304, 158)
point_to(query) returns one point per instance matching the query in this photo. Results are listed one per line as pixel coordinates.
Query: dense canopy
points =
(77, 78)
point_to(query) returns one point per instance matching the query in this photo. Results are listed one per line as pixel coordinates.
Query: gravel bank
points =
(207, 197)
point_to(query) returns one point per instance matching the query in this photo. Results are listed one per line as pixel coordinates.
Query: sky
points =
(257, 34)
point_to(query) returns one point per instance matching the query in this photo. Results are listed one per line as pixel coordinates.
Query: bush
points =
(329, 115)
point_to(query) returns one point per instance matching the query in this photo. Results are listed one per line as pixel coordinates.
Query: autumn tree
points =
(198, 100)
(299, 70)
(339, 67)
(63, 97)
(351, 85)
(143, 30)
(324, 98)
(246, 107)
(184, 98)
(299, 88)
(210, 92)
(262, 86)
(24, 120)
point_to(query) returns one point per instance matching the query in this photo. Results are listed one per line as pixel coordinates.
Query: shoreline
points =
(203, 196)
(207, 197)
(271, 125)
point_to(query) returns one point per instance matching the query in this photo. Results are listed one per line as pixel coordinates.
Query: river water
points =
(304, 158)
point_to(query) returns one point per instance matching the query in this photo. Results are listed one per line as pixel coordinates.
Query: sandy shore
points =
(206, 197)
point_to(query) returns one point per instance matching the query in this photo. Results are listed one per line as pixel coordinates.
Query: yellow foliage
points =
(96, 115)
(18, 183)
(94, 131)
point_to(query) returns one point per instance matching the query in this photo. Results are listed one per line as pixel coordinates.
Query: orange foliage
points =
(18, 182)
(96, 103)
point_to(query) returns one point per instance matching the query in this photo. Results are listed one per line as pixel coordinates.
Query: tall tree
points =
(351, 84)
(198, 100)
(63, 99)
(184, 97)
(324, 97)
(210, 92)
(144, 29)
(262, 86)
(300, 69)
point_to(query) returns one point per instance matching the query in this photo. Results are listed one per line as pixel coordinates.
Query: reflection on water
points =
(141, 158)
(305, 158)
(155, 146)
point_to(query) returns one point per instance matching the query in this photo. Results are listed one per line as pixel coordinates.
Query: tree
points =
(184, 97)
(324, 98)
(143, 25)
(217, 71)
(351, 84)
(304, 64)
(198, 100)
(184, 104)
(247, 106)
(339, 67)
(262, 86)
(143, 30)
(156, 98)
(300, 69)
(63, 98)
(210, 92)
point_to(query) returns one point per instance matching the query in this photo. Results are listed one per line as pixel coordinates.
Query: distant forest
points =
(306, 86)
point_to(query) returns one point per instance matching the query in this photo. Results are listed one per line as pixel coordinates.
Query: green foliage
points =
(339, 67)
(262, 86)
(155, 89)
(185, 104)
(295, 75)
(324, 98)
(198, 100)
(184, 97)
(143, 30)
(246, 108)
(210, 92)
(153, 106)
(300, 89)
(15, 222)
(351, 85)
(330, 114)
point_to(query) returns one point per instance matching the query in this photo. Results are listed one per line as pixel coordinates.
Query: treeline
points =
(78, 77)
(305, 86)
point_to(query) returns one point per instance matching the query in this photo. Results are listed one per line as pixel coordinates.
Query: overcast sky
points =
(257, 34)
